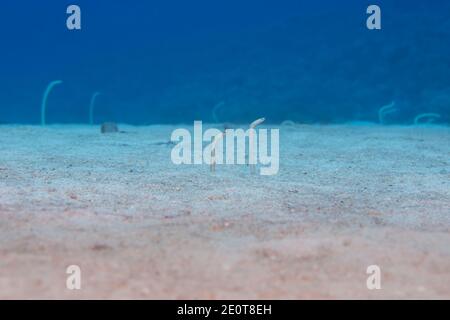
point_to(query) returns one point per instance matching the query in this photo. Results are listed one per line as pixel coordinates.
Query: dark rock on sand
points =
(109, 127)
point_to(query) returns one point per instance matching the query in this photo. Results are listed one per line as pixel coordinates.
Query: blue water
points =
(172, 61)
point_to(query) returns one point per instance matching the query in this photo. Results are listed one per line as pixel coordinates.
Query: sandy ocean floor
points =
(346, 197)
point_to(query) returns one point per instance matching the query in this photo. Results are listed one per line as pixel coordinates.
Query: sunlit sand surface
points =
(345, 197)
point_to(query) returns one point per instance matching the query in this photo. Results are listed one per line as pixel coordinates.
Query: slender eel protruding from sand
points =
(50, 86)
(252, 144)
(216, 140)
(430, 116)
(91, 107)
(288, 123)
(257, 123)
(216, 109)
(383, 111)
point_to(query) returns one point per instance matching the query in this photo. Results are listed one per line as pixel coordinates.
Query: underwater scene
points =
(252, 149)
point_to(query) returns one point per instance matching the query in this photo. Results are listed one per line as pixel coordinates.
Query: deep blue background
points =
(171, 61)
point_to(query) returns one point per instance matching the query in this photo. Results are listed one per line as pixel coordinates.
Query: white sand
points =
(346, 197)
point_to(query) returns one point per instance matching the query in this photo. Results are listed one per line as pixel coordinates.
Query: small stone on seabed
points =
(109, 127)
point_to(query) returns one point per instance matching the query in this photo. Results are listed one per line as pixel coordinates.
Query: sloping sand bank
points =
(345, 197)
